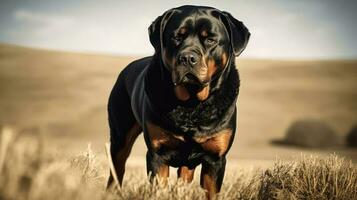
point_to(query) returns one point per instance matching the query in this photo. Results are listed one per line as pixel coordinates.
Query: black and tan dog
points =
(183, 97)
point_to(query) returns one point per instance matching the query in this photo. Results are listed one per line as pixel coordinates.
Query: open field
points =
(62, 97)
(29, 172)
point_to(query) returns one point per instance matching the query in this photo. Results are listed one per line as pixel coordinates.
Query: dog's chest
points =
(162, 140)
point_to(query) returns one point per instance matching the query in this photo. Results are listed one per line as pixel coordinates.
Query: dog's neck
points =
(193, 115)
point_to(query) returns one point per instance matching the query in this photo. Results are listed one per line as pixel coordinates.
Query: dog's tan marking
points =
(224, 59)
(182, 31)
(208, 182)
(163, 173)
(203, 94)
(217, 143)
(185, 173)
(211, 64)
(160, 137)
(204, 33)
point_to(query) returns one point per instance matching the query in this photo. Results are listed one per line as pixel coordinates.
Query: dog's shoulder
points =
(137, 66)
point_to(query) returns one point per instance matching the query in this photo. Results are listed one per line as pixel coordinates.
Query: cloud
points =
(31, 16)
(96, 32)
(42, 23)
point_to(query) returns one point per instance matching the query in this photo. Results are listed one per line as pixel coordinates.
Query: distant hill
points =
(53, 89)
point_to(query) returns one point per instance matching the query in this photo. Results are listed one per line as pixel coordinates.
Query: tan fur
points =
(203, 94)
(218, 143)
(182, 31)
(211, 64)
(159, 137)
(163, 173)
(224, 59)
(185, 173)
(208, 183)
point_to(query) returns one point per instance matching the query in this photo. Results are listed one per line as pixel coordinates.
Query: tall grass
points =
(310, 178)
(28, 172)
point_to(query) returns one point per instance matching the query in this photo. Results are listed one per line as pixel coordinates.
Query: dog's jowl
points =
(183, 98)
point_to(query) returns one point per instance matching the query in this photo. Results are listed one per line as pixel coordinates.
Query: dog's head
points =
(196, 44)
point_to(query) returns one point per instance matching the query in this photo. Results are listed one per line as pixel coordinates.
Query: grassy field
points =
(29, 172)
(60, 98)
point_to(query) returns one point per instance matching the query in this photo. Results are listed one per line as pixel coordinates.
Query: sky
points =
(280, 29)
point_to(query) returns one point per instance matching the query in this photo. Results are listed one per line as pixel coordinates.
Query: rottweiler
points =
(183, 98)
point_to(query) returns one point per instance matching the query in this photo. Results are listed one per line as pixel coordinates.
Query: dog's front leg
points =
(156, 167)
(212, 176)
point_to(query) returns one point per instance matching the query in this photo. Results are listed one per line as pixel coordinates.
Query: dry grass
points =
(28, 173)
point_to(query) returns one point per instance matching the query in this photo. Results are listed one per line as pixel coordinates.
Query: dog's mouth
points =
(190, 78)
(190, 86)
(191, 82)
(193, 88)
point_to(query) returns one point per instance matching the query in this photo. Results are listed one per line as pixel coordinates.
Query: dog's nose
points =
(189, 59)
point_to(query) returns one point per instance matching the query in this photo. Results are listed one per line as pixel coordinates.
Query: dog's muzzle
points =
(190, 70)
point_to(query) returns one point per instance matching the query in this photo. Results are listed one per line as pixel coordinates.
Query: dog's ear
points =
(238, 33)
(154, 32)
(156, 29)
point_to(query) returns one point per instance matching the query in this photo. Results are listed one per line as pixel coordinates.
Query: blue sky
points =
(305, 29)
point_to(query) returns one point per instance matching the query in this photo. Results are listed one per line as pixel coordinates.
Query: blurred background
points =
(60, 59)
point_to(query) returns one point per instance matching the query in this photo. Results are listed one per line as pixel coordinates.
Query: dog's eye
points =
(177, 39)
(210, 41)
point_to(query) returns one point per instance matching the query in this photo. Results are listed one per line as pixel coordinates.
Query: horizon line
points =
(112, 54)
